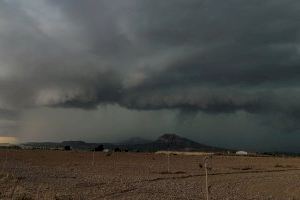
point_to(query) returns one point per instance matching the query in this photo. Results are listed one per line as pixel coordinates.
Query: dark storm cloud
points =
(212, 56)
(105, 89)
(8, 114)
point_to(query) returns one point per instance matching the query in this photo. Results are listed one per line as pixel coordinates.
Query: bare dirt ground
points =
(33, 174)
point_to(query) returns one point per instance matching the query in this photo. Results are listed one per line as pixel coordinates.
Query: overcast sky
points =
(224, 73)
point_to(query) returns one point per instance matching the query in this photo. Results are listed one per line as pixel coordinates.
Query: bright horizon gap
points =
(7, 139)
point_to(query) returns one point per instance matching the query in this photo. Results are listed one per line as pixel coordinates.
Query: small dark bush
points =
(117, 149)
(283, 166)
(67, 148)
(246, 168)
(99, 148)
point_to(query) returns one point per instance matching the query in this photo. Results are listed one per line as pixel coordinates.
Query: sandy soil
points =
(29, 174)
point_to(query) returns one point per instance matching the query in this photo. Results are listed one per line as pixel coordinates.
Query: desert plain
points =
(68, 175)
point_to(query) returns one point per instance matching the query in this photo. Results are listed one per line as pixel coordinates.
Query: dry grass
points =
(71, 175)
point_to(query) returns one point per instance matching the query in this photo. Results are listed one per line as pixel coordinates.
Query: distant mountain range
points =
(170, 142)
(136, 140)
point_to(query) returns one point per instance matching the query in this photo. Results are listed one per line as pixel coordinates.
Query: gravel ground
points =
(36, 174)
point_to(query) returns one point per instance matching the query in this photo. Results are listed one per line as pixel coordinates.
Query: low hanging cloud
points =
(210, 56)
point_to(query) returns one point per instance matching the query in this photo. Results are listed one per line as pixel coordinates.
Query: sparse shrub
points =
(278, 166)
(67, 148)
(282, 166)
(108, 153)
(99, 148)
(246, 168)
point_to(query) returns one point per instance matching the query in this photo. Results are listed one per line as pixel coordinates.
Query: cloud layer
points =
(202, 56)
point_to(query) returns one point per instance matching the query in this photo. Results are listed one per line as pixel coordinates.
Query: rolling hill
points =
(165, 142)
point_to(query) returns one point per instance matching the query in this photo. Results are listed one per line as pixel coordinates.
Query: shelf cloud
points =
(210, 57)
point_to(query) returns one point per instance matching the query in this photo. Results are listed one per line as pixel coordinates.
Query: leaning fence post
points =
(206, 180)
(206, 176)
(93, 163)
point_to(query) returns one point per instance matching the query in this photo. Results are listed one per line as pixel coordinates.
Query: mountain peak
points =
(169, 137)
(172, 141)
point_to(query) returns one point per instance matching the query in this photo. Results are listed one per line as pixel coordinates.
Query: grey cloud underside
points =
(8, 114)
(211, 56)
